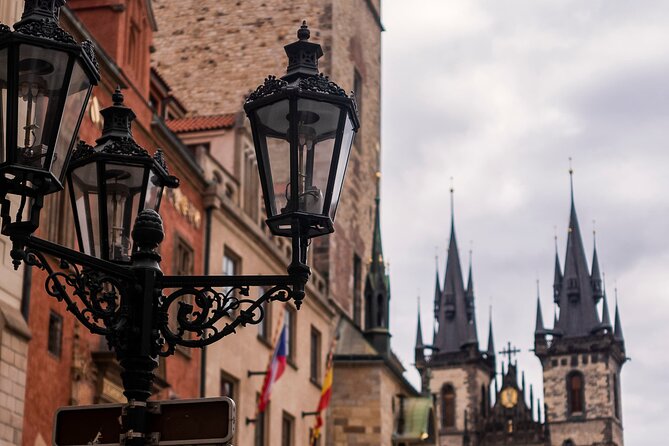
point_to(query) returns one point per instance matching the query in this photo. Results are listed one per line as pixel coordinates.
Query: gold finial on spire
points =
(571, 180)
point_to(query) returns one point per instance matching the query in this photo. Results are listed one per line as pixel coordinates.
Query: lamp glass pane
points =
(123, 190)
(154, 192)
(42, 82)
(272, 127)
(317, 129)
(74, 108)
(3, 102)
(344, 152)
(86, 207)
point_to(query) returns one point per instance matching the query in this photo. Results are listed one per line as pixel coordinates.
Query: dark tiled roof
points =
(201, 123)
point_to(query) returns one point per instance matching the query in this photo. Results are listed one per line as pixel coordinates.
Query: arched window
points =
(369, 310)
(575, 393)
(484, 401)
(616, 396)
(568, 443)
(447, 406)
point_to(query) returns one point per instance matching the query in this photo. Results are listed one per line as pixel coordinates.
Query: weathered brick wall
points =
(598, 426)
(214, 52)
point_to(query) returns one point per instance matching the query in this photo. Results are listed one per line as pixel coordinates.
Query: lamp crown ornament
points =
(302, 55)
(117, 119)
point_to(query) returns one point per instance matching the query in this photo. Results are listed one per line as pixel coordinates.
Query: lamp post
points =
(303, 127)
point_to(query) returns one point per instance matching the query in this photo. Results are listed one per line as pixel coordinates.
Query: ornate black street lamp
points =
(303, 127)
(45, 80)
(114, 285)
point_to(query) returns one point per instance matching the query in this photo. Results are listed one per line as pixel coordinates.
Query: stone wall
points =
(466, 379)
(598, 425)
(364, 404)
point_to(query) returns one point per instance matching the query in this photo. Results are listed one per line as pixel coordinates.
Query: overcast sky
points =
(499, 95)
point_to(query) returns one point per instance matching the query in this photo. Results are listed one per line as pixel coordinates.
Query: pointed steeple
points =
(539, 329)
(378, 264)
(595, 275)
(457, 322)
(618, 330)
(557, 278)
(491, 343)
(437, 294)
(606, 318)
(419, 329)
(470, 280)
(578, 311)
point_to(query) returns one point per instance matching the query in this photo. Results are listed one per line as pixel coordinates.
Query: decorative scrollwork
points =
(47, 29)
(204, 315)
(94, 297)
(321, 84)
(89, 50)
(271, 86)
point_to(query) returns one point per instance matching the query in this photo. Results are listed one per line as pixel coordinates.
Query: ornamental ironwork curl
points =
(200, 311)
(271, 86)
(89, 49)
(46, 29)
(82, 151)
(93, 298)
(124, 146)
(321, 84)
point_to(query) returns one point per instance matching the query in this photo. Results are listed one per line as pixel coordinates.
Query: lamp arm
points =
(76, 257)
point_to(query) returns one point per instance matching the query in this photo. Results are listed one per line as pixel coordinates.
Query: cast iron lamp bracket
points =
(190, 311)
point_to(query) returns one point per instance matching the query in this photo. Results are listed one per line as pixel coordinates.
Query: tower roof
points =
(539, 329)
(577, 301)
(457, 322)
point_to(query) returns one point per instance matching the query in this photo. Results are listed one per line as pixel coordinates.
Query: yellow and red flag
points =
(326, 393)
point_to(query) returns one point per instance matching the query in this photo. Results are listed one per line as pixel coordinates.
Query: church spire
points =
(557, 278)
(618, 331)
(596, 276)
(578, 311)
(606, 318)
(491, 343)
(540, 329)
(457, 323)
(437, 296)
(419, 353)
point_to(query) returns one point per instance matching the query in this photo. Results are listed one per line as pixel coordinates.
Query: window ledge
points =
(263, 340)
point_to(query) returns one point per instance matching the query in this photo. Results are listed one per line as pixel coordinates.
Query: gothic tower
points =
(457, 371)
(582, 355)
(377, 292)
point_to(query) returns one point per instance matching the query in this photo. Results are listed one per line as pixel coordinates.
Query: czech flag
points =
(274, 371)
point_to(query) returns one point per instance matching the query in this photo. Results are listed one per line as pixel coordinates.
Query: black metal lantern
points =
(111, 183)
(303, 127)
(45, 82)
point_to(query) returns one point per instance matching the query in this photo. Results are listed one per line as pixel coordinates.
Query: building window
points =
(576, 393)
(55, 341)
(231, 267)
(287, 422)
(289, 321)
(266, 322)
(483, 401)
(251, 197)
(259, 435)
(616, 396)
(228, 385)
(380, 310)
(369, 310)
(315, 356)
(357, 296)
(183, 266)
(447, 406)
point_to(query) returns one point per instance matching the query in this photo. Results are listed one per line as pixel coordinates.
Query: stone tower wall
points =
(466, 379)
(598, 425)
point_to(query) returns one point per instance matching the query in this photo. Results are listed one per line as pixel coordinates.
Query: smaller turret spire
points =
(491, 343)
(606, 318)
(539, 329)
(595, 275)
(557, 278)
(419, 329)
(618, 331)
